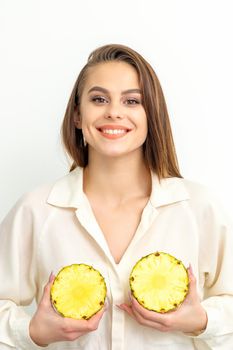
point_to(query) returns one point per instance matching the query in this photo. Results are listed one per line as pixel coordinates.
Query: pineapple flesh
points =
(78, 291)
(159, 282)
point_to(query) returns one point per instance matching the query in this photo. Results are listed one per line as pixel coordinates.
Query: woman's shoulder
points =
(38, 204)
(31, 203)
(43, 195)
(186, 188)
(205, 199)
(38, 194)
(199, 193)
(197, 190)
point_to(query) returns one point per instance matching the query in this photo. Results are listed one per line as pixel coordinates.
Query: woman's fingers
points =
(93, 322)
(160, 321)
(51, 277)
(72, 325)
(192, 295)
(127, 308)
(162, 318)
(47, 326)
(188, 317)
(141, 320)
(46, 300)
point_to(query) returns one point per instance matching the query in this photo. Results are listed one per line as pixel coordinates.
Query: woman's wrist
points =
(202, 324)
(34, 336)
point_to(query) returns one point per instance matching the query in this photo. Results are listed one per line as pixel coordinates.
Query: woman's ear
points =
(77, 119)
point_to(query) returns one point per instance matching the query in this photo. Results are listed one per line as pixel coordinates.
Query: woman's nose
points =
(113, 112)
(112, 116)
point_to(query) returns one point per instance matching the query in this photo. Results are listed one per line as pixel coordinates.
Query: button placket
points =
(118, 317)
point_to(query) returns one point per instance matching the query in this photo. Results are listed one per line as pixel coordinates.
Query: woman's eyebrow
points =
(101, 89)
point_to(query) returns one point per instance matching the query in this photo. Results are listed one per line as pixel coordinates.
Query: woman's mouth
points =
(113, 132)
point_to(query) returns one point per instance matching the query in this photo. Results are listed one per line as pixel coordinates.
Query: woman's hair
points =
(159, 150)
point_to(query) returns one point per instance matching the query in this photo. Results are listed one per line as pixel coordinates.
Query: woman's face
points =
(111, 114)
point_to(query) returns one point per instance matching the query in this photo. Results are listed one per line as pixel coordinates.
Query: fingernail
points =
(51, 276)
(190, 268)
(130, 296)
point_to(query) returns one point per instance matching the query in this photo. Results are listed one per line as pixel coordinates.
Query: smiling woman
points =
(114, 131)
(122, 67)
(106, 112)
(124, 198)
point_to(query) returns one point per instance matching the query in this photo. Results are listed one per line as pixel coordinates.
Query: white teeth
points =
(115, 131)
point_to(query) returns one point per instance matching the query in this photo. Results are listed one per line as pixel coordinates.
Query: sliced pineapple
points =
(78, 291)
(159, 282)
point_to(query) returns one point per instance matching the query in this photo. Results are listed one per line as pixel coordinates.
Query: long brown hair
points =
(159, 150)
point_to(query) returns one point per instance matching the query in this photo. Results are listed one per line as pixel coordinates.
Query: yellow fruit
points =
(78, 291)
(159, 282)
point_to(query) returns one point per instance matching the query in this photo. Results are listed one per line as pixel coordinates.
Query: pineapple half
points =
(159, 282)
(78, 291)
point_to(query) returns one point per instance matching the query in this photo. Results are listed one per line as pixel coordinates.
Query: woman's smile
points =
(113, 131)
(111, 110)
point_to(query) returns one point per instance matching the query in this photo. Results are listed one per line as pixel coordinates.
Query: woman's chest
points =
(119, 225)
(83, 235)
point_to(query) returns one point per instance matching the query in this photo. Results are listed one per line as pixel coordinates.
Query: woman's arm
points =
(208, 321)
(17, 276)
(19, 285)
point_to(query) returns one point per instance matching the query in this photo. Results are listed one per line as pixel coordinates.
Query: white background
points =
(45, 43)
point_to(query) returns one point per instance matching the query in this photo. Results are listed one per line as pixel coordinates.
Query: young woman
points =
(123, 199)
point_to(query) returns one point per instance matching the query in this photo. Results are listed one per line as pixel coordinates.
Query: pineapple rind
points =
(156, 291)
(78, 291)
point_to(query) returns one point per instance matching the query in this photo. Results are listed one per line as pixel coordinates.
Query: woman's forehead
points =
(112, 75)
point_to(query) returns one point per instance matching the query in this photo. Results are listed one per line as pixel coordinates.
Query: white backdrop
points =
(45, 43)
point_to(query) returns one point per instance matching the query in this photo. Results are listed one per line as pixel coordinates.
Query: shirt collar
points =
(167, 191)
(68, 191)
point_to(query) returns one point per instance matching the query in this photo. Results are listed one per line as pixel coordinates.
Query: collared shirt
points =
(54, 226)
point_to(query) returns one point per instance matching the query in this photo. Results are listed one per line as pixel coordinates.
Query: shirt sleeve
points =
(216, 258)
(17, 277)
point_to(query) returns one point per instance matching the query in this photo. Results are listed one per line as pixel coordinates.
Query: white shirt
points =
(55, 226)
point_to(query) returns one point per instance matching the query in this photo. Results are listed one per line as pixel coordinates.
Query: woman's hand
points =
(47, 326)
(189, 317)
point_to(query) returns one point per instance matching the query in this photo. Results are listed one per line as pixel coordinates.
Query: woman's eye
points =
(132, 101)
(99, 99)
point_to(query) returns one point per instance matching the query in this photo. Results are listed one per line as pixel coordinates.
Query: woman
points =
(124, 198)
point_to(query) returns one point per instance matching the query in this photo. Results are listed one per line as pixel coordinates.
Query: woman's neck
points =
(117, 180)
